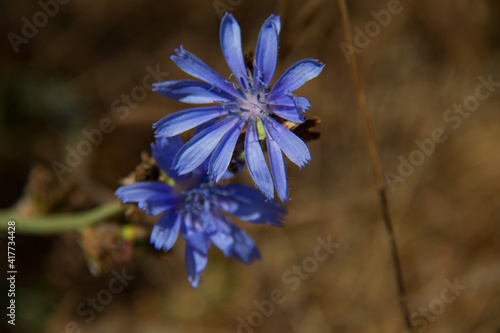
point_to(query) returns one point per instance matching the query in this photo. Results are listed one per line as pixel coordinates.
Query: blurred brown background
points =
(68, 77)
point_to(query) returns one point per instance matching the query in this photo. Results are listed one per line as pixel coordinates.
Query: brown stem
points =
(372, 147)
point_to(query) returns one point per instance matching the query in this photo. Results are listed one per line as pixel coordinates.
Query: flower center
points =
(198, 200)
(252, 106)
(252, 102)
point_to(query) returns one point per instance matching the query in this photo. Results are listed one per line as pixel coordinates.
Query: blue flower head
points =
(250, 103)
(193, 205)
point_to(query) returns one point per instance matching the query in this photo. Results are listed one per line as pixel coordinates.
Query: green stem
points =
(58, 223)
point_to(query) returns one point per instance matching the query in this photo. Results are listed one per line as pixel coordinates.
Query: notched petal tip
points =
(166, 231)
(275, 19)
(296, 75)
(266, 52)
(316, 62)
(180, 50)
(230, 40)
(228, 16)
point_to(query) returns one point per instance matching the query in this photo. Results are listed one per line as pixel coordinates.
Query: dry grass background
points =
(446, 213)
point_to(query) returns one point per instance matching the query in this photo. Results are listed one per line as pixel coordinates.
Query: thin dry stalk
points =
(372, 147)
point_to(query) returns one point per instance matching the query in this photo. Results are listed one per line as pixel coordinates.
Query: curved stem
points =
(58, 223)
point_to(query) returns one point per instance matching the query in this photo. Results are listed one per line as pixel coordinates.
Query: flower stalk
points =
(377, 170)
(59, 223)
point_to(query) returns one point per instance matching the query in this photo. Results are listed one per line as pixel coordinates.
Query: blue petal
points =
(224, 152)
(266, 53)
(198, 241)
(249, 204)
(241, 245)
(221, 236)
(256, 162)
(291, 100)
(277, 167)
(164, 151)
(283, 107)
(204, 126)
(184, 120)
(194, 66)
(293, 146)
(192, 91)
(230, 41)
(295, 76)
(166, 230)
(194, 233)
(153, 197)
(223, 241)
(203, 167)
(244, 248)
(196, 150)
(288, 112)
(195, 264)
(301, 103)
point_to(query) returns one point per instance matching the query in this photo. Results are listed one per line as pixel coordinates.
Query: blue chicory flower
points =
(194, 206)
(252, 103)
